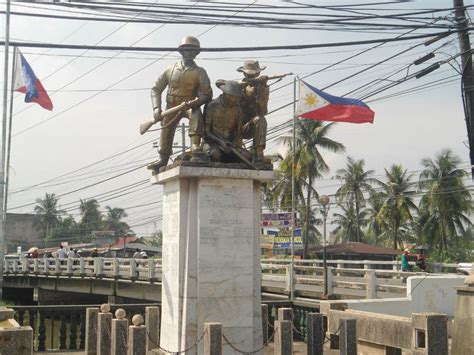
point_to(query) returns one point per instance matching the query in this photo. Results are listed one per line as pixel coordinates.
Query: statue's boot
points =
(259, 157)
(157, 165)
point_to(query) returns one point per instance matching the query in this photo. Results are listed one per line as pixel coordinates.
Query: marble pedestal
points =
(211, 256)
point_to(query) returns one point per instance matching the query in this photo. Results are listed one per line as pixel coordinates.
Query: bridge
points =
(141, 279)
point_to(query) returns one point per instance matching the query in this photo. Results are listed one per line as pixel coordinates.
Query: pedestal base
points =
(463, 333)
(211, 256)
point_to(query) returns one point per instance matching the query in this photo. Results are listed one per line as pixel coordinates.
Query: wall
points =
(424, 294)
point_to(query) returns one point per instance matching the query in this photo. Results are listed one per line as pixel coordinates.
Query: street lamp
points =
(324, 201)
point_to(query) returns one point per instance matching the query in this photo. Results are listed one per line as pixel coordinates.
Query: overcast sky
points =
(101, 97)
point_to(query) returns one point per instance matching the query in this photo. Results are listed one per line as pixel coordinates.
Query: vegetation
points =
(434, 208)
(56, 225)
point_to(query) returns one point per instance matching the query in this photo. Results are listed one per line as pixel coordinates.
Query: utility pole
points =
(4, 145)
(467, 75)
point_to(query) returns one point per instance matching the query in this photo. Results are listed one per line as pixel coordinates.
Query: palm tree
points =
(398, 201)
(375, 228)
(311, 136)
(91, 218)
(349, 223)
(47, 212)
(446, 202)
(114, 218)
(356, 180)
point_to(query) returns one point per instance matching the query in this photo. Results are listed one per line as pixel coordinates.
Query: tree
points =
(113, 220)
(375, 227)
(91, 218)
(398, 201)
(349, 223)
(311, 137)
(356, 180)
(48, 214)
(446, 202)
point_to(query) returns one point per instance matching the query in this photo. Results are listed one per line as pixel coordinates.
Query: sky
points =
(101, 97)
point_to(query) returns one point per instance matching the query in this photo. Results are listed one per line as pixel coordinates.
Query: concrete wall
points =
(434, 294)
(20, 230)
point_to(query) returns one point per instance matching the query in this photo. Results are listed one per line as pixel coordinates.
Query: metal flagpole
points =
(293, 219)
(4, 136)
(9, 140)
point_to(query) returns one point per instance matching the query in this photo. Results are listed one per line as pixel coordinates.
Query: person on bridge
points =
(61, 252)
(405, 264)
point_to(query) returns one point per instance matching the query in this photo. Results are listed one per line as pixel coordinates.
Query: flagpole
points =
(293, 219)
(9, 140)
(4, 135)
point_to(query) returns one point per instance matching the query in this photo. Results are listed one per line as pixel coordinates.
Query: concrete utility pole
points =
(467, 75)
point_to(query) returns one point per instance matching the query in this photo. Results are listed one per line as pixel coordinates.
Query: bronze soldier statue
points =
(255, 106)
(186, 82)
(223, 118)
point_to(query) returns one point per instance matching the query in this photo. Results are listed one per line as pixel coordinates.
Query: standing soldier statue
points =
(188, 86)
(255, 106)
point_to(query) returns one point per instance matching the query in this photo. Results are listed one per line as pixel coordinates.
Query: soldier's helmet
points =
(232, 88)
(190, 41)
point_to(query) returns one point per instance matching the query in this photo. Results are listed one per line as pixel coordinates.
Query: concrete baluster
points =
(119, 333)
(347, 337)
(35, 265)
(288, 277)
(315, 333)
(104, 330)
(330, 280)
(366, 265)
(46, 266)
(213, 339)
(283, 337)
(285, 314)
(137, 336)
(152, 323)
(265, 323)
(370, 284)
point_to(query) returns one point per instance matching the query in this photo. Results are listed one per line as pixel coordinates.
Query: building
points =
(354, 251)
(20, 230)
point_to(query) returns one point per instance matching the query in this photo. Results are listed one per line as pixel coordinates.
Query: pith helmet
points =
(251, 67)
(190, 41)
(232, 88)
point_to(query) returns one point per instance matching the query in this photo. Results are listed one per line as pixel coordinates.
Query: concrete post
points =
(213, 339)
(91, 331)
(330, 280)
(151, 270)
(46, 266)
(152, 323)
(57, 266)
(366, 265)
(288, 278)
(430, 334)
(348, 337)
(137, 336)
(69, 266)
(15, 266)
(82, 267)
(104, 330)
(119, 333)
(283, 337)
(265, 323)
(133, 269)
(370, 284)
(315, 333)
(116, 268)
(285, 314)
(24, 265)
(98, 266)
(35, 265)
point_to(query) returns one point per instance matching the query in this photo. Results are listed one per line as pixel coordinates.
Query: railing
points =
(116, 268)
(63, 326)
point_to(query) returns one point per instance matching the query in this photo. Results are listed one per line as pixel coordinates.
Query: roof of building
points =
(121, 241)
(140, 246)
(352, 248)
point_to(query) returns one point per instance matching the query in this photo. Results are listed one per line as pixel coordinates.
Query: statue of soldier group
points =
(217, 135)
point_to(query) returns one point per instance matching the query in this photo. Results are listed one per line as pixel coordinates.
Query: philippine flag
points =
(318, 105)
(27, 83)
